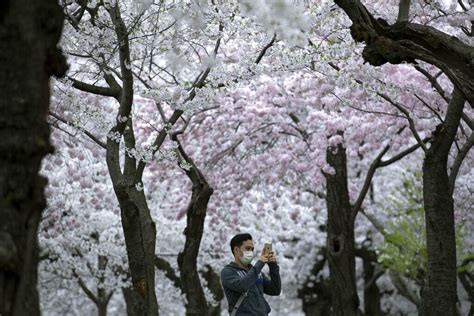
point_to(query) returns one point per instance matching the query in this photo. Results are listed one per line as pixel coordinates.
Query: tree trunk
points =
(29, 33)
(372, 293)
(340, 242)
(129, 296)
(214, 285)
(102, 308)
(140, 238)
(316, 299)
(439, 292)
(103, 297)
(138, 226)
(195, 218)
(316, 291)
(467, 281)
(196, 214)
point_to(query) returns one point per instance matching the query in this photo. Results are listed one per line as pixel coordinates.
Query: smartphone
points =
(267, 248)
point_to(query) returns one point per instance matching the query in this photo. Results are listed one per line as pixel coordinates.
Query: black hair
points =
(238, 240)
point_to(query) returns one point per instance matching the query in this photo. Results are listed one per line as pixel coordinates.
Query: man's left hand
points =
(271, 257)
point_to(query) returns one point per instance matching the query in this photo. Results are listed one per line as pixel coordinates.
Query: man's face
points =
(246, 246)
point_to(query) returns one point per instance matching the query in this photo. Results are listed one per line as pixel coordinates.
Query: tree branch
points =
(86, 290)
(403, 288)
(378, 163)
(103, 91)
(368, 179)
(429, 107)
(434, 82)
(89, 134)
(452, 121)
(377, 224)
(403, 153)
(259, 57)
(408, 117)
(403, 11)
(467, 279)
(198, 83)
(264, 50)
(163, 265)
(374, 279)
(458, 161)
(409, 42)
(468, 121)
(126, 97)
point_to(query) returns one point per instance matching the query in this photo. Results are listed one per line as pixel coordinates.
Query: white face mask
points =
(247, 257)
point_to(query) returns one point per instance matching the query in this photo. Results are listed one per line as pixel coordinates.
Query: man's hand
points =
(271, 257)
(264, 257)
(267, 257)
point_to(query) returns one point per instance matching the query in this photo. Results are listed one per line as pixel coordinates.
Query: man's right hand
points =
(264, 257)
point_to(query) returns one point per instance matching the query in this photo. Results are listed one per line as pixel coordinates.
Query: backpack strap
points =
(239, 302)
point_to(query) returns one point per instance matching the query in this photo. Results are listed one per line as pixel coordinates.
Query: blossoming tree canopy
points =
(254, 93)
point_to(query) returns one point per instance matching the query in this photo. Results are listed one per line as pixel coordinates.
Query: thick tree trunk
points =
(138, 226)
(340, 242)
(195, 217)
(29, 33)
(187, 259)
(140, 238)
(409, 42)
(439, 293)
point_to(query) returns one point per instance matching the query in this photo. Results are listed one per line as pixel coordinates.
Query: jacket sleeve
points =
(233, 281)
(272, 286)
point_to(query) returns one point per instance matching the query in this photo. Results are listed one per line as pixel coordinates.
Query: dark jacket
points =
(236, 281)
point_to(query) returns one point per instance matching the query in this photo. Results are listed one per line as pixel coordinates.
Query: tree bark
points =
(166, 267)
(130, 299)
(317, 299)
(102, 309)
(103, 297)
(340, 242)
(140, 238)
(187, 259)
(29, 33)
(214, 284)
(138, 226)
(408, 42)
(195, 218)
(316, 291)
(467, 281)
(439, 292)
(372, 293)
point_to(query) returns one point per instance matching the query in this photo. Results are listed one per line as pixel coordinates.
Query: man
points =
(244, 283)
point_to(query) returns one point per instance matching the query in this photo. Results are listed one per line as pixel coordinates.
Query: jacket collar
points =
(235, 265)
